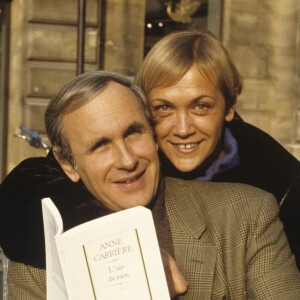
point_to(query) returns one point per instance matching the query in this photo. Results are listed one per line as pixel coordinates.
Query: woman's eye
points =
(201, 108)
(162, 108)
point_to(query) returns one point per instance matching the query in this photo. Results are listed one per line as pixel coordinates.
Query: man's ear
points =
(67, 167)
(230, 112)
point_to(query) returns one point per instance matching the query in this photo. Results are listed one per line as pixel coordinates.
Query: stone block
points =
(34, 110)
(61, 11)
(282, 127)
(298, 126)
(281, 69)
(283, 13)
(243, 28)
(258, 95)
(261, 23)
(121, 60)
(46, 78)
(260, 119)
(125, 20)
(25, 151)
(124, 45)
(141, 3)
(58, 43)
(298, 87)
(251, 61)
(247, 22)
(294, 149)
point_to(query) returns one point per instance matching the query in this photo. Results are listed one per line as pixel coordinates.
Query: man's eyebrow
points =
(133, 128)
(96, 144)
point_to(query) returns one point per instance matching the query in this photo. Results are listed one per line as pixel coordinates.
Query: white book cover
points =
(112, 257)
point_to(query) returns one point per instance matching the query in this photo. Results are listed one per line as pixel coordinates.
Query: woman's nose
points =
(183, 125)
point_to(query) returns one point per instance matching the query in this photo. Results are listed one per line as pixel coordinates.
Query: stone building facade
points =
(262, 37)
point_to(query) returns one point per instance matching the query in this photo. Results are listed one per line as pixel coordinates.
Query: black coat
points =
(265, 164)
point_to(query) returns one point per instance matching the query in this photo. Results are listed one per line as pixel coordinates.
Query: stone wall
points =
(263, 39)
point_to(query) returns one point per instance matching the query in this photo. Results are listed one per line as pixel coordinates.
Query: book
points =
(113, 257)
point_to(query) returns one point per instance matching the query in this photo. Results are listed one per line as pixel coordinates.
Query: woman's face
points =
(189, 120)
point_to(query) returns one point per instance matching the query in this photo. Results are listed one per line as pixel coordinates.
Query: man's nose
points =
(125, 158)
(183, 125)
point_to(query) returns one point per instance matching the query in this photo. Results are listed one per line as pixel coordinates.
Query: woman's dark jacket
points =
(265, 164)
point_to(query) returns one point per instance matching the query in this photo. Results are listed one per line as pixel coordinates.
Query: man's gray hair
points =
(74, 95)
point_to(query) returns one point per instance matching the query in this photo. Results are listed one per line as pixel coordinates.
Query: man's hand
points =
(176, 282)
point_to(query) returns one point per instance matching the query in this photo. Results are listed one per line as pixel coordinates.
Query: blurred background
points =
(45, 43)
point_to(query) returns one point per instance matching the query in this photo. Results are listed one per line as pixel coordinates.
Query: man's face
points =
(189, 117)
(114, 149)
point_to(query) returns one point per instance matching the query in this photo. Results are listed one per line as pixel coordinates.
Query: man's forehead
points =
(116, 94)
(113, 110)
(110, 98)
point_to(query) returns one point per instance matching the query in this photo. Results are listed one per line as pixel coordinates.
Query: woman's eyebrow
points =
(196, 99)
(193, 100)
(161, 100)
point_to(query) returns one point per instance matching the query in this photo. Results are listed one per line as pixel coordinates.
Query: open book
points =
(112, 257)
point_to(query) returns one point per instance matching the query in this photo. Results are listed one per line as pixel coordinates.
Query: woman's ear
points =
(230, 111)
(67, 167)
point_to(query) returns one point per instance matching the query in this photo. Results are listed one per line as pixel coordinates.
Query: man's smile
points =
(130, 179)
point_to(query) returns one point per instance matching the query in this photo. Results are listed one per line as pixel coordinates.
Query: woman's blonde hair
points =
(172, 56)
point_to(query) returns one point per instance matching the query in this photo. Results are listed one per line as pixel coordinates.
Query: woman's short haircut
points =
(172, 56)
(74, 95)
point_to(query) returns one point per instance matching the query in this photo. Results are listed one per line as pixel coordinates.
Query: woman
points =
(192, 86)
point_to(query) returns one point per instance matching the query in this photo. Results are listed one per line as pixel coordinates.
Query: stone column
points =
(124, 35)
(296, 146)
(261, 37)
(282, 62)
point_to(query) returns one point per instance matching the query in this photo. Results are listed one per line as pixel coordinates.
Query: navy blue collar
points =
(230, 160)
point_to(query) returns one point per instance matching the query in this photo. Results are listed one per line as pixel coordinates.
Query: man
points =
(226, 238)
